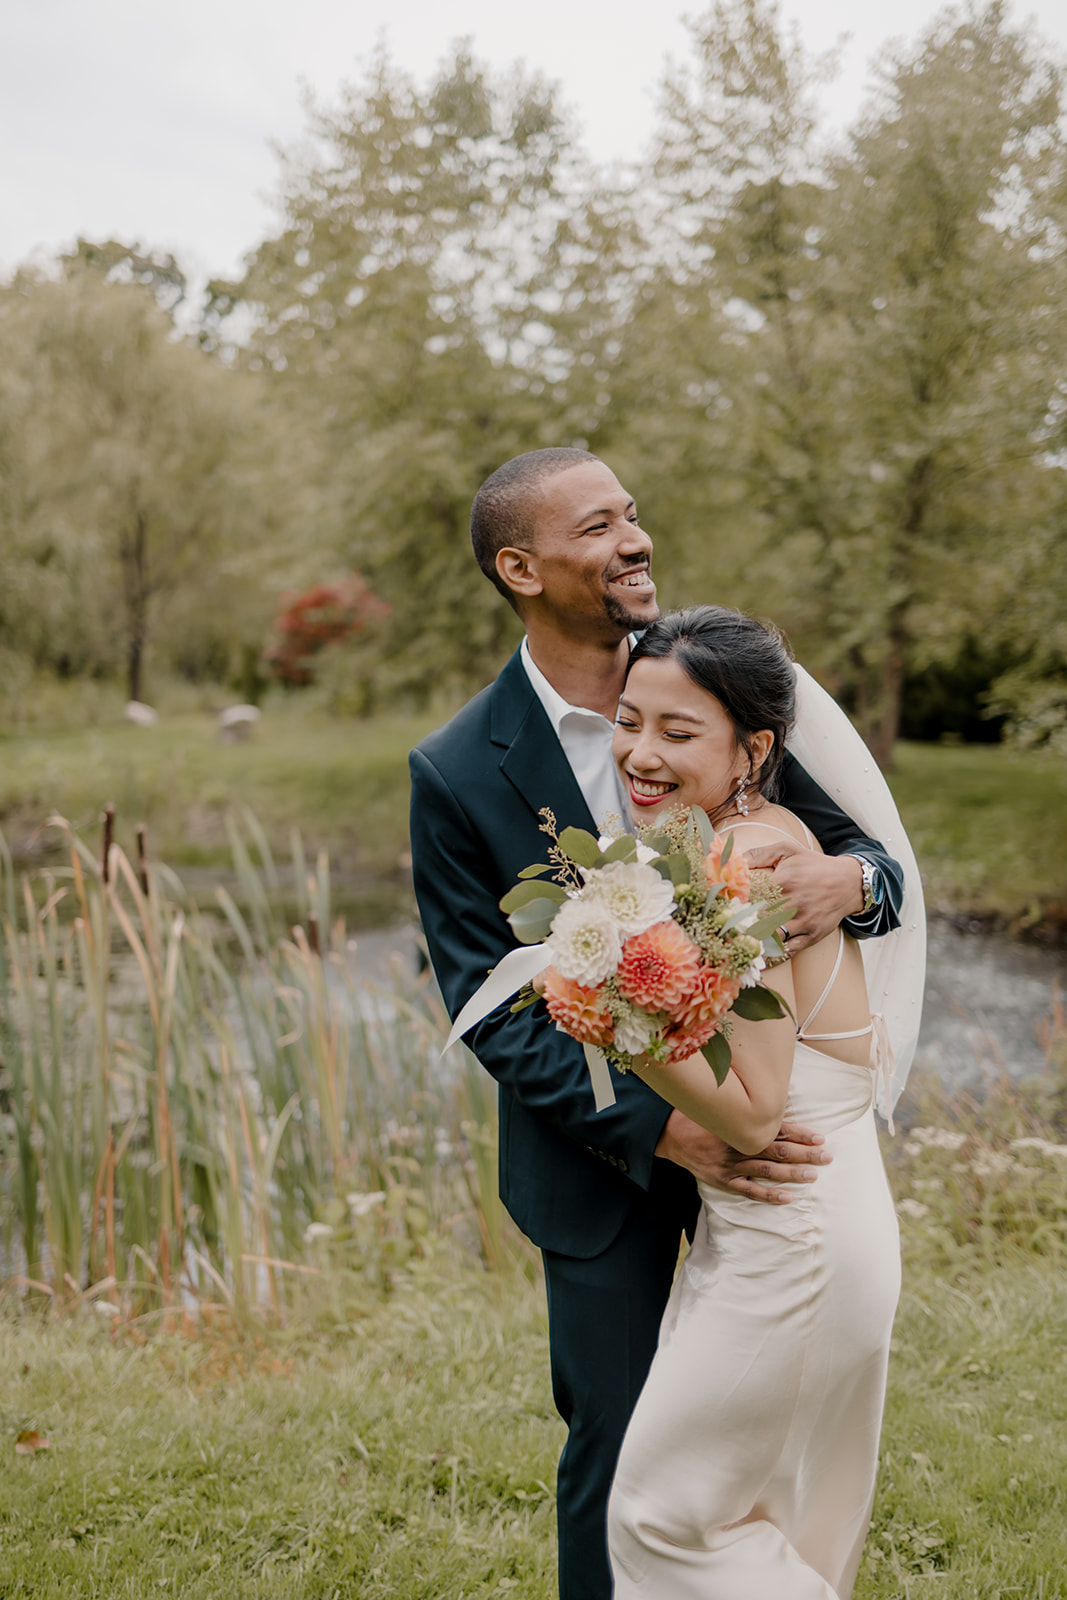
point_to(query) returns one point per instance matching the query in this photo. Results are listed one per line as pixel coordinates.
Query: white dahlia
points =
(584, 943)
(633, 1031)
(636, 895)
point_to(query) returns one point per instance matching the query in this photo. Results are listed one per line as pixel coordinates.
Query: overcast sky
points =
(136, 120)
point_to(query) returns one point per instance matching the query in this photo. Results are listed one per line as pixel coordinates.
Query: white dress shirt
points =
(586, 739)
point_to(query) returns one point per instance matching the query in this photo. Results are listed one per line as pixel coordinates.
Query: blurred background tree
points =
(138, 511)
(387, 315)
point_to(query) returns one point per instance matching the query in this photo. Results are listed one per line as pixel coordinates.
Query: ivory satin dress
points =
(749, 1465)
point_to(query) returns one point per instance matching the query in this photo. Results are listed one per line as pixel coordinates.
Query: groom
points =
(606, 1196)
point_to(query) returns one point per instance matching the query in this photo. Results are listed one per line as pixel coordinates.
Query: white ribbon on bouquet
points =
(507, 978)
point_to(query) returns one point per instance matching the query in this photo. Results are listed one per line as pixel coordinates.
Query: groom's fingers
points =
(786, 1153)
(767, 856)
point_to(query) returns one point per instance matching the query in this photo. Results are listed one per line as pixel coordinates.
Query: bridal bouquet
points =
(652, 940)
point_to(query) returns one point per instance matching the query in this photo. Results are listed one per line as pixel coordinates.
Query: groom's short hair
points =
(503, 513)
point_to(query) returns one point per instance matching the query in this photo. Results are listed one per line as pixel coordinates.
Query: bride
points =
(750, 1461)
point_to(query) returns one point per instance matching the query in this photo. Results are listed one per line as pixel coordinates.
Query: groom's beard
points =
(617, 611)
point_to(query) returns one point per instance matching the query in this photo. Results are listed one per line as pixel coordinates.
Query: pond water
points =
(988, 998)
(988, 1003)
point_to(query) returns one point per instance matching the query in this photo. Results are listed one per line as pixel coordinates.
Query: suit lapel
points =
(532, 758)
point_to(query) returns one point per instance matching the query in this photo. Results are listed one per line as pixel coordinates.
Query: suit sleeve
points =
(840, 836)
(467, 935)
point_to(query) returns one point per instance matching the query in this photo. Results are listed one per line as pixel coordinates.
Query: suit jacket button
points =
(622, 1165)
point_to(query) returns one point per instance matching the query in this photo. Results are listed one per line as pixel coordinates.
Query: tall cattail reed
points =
(212, 1106)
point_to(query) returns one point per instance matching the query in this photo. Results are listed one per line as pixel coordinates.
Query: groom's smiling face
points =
(588, 560)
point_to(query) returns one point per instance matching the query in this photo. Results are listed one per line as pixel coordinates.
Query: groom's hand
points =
(792, 1158)
(824, 889)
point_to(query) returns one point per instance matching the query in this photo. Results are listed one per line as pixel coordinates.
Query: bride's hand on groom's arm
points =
(792, 1158)
(824, 889)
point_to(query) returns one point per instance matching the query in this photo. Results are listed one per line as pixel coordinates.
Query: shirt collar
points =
(556, 708)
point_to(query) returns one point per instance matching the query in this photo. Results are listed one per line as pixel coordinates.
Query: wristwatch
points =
(872, 885)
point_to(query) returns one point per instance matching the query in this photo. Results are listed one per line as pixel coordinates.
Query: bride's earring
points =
(741, 799)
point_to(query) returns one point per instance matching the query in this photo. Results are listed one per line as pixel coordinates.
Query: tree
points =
(393, 313)
(128, 479)
(892, 418)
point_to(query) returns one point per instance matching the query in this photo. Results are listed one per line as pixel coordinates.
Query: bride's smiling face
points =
(675, 745)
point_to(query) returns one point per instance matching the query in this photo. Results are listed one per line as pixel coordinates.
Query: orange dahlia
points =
(686, 1041)
(578, 1010)
(711, 997)
(658, 967)
(735, 874)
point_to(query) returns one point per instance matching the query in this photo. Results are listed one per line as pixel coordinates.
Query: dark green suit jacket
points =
(568, 1174)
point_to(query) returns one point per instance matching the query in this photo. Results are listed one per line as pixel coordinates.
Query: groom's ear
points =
(518, 569)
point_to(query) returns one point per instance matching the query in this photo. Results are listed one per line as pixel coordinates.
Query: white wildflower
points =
(361, 1205)
(912, 1208)
(636, 895)
(1044, 1146)
(990, 1164)
(317, 1230)
(633, 1031)
(442, 1144)
(584, 944)
(935, 1139)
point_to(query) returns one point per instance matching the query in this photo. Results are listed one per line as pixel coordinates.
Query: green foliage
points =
(197, 1103)
(833, 376)
(131, 483)
(407, 1446)
(385, 308)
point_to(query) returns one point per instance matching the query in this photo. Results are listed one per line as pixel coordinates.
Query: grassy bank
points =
(344, 784)
(267, 1314)
(411, 1452)
(989, 824)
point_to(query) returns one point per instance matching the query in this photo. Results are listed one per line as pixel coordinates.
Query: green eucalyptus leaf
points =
(623, 849)
(770, 921)
(536, 870)
(678, 867)
(658, 842)
(759, 1004)
(579, 846)
(727, 850)
(533, 922)
(523, 893)
(705, 831)
(717, 1054)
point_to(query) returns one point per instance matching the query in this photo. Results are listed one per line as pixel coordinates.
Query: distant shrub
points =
(326, 614)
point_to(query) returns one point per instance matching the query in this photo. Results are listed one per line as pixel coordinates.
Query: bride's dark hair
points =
(743, 663)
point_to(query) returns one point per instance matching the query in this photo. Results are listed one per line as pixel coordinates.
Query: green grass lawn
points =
(411, 1454)
(989, 824)
(342, 783)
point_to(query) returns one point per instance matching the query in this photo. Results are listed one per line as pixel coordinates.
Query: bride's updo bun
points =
(743, 663)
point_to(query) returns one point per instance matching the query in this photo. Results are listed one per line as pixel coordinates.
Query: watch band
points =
(872, 885)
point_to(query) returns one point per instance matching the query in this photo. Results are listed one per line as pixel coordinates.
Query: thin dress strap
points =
(881, 1049)
(802, 1031)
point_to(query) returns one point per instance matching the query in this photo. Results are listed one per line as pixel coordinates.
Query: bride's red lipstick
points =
(646, 799)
